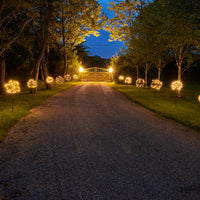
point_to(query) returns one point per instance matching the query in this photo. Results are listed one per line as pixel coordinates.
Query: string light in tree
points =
(12, 87)
(140, 82)
(31, 83)
(49, 79)
(176, 85)
(199, 98)
(59, 79)
(128, 80)
(121, 78)
(156, 84)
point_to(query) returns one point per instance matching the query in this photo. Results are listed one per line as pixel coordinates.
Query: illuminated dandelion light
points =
(31, 83)
(199, 98)
(59, 79)
(128, 80)
(140, 82)
(49, 79)
(12, 87)
(67, 77)
(156, 84)
(176, 85)
(75, 77)
(121, 78)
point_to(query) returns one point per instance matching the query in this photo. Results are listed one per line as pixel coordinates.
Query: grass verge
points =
(23, 102)
(185, 110)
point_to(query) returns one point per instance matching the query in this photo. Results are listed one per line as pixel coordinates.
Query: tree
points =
(12, 25)
(182, 31)
(75, 21)
(40, 26)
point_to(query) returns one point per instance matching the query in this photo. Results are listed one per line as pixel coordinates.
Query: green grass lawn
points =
(185, 110)
(23, 102)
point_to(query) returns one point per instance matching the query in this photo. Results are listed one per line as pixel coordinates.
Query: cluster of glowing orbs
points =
(128, 80)
(67, 77)
(32, 83)
(49, 79)
(12, 87)
(199, 98)
(156, 84)
(81, 69)
(59, 79)
(121, 78)
(140, 82)
(176, 85)
(110, 70)
(75, 77)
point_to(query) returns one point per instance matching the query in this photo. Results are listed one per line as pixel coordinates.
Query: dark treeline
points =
(39, 37)
(162, 37)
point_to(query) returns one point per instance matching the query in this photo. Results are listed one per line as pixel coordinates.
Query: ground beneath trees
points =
(90, 142)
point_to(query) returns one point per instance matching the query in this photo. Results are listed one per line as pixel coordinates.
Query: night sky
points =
(100, 45)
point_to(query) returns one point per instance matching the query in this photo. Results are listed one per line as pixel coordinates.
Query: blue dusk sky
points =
(100, 46)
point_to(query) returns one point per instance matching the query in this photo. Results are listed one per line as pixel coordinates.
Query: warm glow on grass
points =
(12, 87)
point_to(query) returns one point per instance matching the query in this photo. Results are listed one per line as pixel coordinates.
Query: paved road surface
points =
(92, 143)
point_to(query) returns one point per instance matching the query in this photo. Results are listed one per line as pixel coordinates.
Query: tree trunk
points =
(137, 69)
(146, 74)
(179, 78)
(65, 64)
(2, 74)
(159, 68)
(43, 41)
(159, 72)
(45, 73)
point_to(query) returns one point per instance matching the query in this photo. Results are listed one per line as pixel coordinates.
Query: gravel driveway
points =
(90, 142)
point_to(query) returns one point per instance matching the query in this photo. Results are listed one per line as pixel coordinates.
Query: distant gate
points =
(96, 74)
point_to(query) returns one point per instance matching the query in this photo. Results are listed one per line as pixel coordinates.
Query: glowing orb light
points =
(110, 69)
(140, 82)
(59, 79)
(49, 79)
(12, 87)
(67, 77)
(128, 80)
(176, 85)
(156, 84)
(81, 69)
(199, 98)
(31, 83)
(121, 78)
(75, 77)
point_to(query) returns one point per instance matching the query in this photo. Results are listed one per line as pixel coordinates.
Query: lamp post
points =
(81, 71)
(110, 73)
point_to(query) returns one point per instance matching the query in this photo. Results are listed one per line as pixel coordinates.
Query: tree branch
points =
(10, 14)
